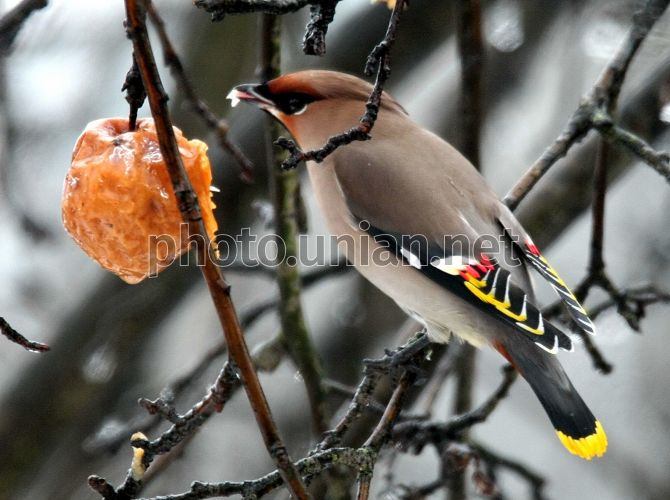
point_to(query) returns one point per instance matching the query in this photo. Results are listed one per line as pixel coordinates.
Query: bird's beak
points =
(251, 93)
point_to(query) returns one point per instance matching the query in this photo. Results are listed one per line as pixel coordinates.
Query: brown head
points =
(314, 104)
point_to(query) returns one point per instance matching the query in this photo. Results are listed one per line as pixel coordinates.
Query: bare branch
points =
(379, 60)
(286, 200)
(257, 488)
(496, 461)
(614, 134)
(418, 434)
(12, 21)
(382, 431)
(30, 345)
(217, 125)
(321, 15)
(593, 111)
(219, 8)
(190, 210)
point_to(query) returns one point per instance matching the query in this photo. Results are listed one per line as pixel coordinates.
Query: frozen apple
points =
(118, 202)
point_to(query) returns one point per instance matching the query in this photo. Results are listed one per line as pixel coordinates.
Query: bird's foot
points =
(406, 358)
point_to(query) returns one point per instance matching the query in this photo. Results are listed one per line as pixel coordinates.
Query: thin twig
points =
(321, 15)
(592, 111)
(217, 125)
(437, 382)
(219, 8)
(257, 488)
(135, 94)
(417, 434)
(12, 22)
(382, 432)
(495, 460)
(29, 345)
(401, 359)
(378, 59)
(190, 210)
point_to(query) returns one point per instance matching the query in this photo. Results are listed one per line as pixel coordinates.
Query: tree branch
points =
(190, 210)
(217, 125)
(379, 60)
(12, 22)
(284, 186)
(419, 433)
(219, 8)
(592, 112)
(29, 345)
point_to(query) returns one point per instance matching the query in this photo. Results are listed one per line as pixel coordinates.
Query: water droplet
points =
(602, 37)
(503, 26)
(100, 366)
(297, 376)
(264, 211)
(664, 115)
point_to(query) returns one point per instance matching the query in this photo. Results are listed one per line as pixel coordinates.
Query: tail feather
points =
(579, 431)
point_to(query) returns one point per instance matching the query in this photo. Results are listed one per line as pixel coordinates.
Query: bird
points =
(418, 220)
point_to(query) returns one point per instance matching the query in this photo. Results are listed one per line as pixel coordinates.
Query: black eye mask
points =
(292, 102)
(288, 102)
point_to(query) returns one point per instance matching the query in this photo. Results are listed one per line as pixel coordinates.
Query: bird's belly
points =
(439, 310)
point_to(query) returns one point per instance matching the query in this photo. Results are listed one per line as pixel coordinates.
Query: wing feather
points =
(533, 255)
(481, 282)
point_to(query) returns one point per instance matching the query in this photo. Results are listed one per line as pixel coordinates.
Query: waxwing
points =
(418, 221)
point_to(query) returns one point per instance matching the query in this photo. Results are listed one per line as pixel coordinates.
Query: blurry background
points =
(113, 343)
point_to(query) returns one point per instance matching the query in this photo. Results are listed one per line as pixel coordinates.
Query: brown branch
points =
(658, 160)
(190, 210)
(378, 59)
(12, 22)
(29, 345)
(217, 125)
(592, 112)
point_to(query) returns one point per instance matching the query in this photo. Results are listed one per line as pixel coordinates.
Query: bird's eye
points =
(294, 103)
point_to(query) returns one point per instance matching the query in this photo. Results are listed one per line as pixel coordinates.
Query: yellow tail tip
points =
(587, 447)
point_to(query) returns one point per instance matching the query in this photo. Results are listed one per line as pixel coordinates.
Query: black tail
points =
(579, 431)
